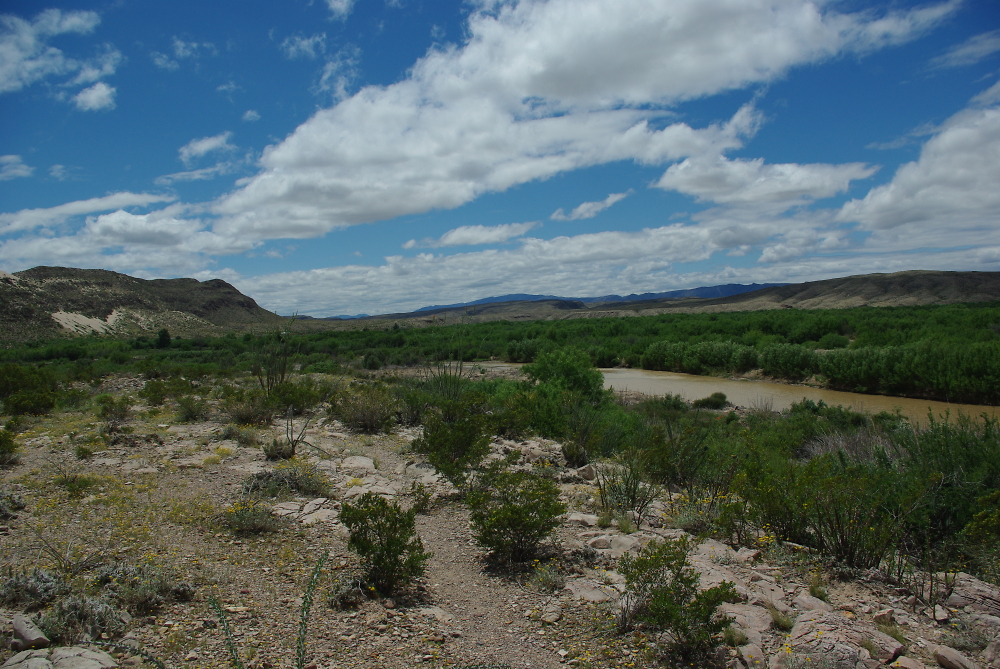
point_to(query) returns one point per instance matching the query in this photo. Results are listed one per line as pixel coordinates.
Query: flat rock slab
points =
(970, 591)
(949, 658)
(587, 591)
(437, 613)
(358, 463)
(837, 639)
(63, 657)
(810, 603)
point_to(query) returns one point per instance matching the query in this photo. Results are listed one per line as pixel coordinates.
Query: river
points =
(778, 396)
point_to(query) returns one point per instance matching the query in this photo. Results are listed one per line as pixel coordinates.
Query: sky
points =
(374, 156)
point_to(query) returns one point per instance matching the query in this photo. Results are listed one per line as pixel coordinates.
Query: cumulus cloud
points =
(474, 235)
(589, 209)
(541, 88)
(12, 167)
(304, 47)
(97, 97)
(58, 172)
(26, 56)
(28, 219)
(104, 65)
(718, 179)
(251, 115)
(340, 9)
(197, 148)
(339, 73)
(969, 52)
(163, 61)
(945, 198)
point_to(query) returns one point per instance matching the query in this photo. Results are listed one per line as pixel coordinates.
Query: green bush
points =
(662, 591)
(141, 589)
(366, 408)
(10, 504)
(622, 484)
(568, 369)
(514, 514)
(8, 449)
(454, 448)
(250, 516)
(287, 478)
(715, 401)
(301, 396)
(190, 409)
(30, 402)
(248, 407)
(385, 537)
(115, 412)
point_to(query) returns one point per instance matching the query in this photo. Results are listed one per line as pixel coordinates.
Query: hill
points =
(47, 302)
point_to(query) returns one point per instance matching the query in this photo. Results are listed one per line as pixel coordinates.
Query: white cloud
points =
(718, 179)
(163, 61)
(251, 115)
(28, 219)
(102, 66)
(969, 52)
(11, 167)
(26, 56)
(202, 174)
(589, 209)
(538, 89)
(339, 73)
(227, 87)
(304, 47)
(184, 49)
(340, 9)
(946, 198)
(58, 172)
(97, 97)
(474, 235)
(199, 147)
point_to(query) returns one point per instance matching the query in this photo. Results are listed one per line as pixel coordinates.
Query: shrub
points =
(662, 591)
(30, 402)
(79, 617)
(546, 579)
(8, 449)
(369, 409)
(514, 514)
(454, 448)
(243, 435)
(248, 407)
(622, 485)
(715, 401)
(10, 504)
(116, 413)
(250, 516)
(568, 369)
(300, 396)
(385, 537)
(288, 477)
(31, 591)
(190, 409)
(141, 589)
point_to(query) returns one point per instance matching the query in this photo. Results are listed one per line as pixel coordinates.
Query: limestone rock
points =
(941, 614)
(885, 617)
(992, 654)
(908, 663)
(752, 656)
(64, 657)
(437, 613)
(603, 541)
(581, 519)
(358, 463)
(587, 591)
(949, 658)
(587, 472)
(970, 591)
(27, 635)
(810, 603)
(839, 639)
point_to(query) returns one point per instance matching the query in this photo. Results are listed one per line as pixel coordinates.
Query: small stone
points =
(810, 603)
(603, 541)
(941, 614)
(885, 617)
(908, 663)
(389, 603)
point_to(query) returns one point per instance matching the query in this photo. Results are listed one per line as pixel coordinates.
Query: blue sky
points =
(339, 156)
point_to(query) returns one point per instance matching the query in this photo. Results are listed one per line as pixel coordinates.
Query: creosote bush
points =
(8, 449)
(190, 409)
(385, 538)
(662, 591)
(141, 589)
(250, 516)
(368, 408)
(513, 514)
(80, 617)
(715, 401)
(287, 478)
(455, 447)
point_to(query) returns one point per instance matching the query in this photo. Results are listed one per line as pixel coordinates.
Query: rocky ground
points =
(158, 502)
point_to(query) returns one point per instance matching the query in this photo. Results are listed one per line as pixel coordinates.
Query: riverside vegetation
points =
(113, 516)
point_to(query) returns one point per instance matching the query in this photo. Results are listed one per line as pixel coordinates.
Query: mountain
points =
(705, 291)
(45, 302)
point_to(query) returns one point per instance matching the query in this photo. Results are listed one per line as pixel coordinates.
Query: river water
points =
(778, 396)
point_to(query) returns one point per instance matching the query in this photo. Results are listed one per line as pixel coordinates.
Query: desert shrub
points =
(248, 407)
(30, 402)
(715, 401)
(789, 361)
(514, 514)
(190, 409)
(456, 447)
(10, 504)
(8, 449)
(250, 516)
(367, 408)
(32, 590)
(568, 369)
(546, 579)
(154, 392)
(141, 589)
(79, 617)
(27, 390)
(346, 591)
(662, 591)
(832, 340)
(244, 435)
(301, 395)
(385, 537)
(116, 413)
(622, 484)
(287, 478)
(75, 483)
(779, 620)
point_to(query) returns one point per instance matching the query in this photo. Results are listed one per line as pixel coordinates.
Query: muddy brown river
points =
(775, 395)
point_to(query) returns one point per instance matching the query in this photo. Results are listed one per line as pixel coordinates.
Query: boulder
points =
(970, 591)
(908, 663)
(830, 635)
(587, 472)
(358, 463)
(992, 654)
(949, 658)
(587, 591)
(27, 635)
(809, 603)
(885, 617)
(581, 519)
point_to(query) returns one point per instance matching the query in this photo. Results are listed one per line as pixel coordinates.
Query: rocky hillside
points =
(48, 302)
